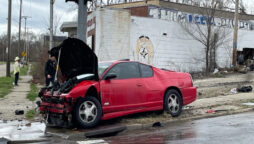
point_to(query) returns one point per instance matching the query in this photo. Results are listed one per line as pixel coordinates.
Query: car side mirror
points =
(110, 76)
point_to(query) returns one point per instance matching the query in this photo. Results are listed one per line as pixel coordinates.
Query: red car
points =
(94, 92)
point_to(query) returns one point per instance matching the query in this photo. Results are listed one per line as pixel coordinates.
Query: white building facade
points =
(159, 39)
(158, 42)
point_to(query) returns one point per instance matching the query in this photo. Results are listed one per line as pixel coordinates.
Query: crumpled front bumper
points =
(55, 103)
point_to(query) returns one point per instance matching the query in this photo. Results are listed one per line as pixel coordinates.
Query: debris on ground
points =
(215, 71)
(187, 107)
(221, 110)
(233, 90)
(244, 89)
(157, 124)
(210, 111)
(19, 112)
(102, 132)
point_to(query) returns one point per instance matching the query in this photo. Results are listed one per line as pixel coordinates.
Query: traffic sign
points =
(23, 53)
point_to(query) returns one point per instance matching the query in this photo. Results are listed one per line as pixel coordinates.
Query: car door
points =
(151, 87)
(120, 93)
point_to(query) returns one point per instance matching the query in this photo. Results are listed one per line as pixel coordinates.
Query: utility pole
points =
(51, 24)
(8, 74)
(28, 48)
(20, 15)
(235, 33)
(82, 20)
(25, 43)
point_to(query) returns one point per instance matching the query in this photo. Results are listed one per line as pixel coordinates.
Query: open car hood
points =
(76, 58)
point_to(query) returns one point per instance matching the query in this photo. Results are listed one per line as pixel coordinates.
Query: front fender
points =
(80, 89)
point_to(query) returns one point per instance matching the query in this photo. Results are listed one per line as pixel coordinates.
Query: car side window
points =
(146, 71)
(125, 70)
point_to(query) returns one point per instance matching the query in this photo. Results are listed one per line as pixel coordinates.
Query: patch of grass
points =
(2, 62)
(23, 70)
(5, 85)
(251, 101)
(30, 114)
(32, 95)
(218, 75)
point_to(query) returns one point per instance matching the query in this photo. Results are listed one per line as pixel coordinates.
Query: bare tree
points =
(56, 23)
(206, 33)
(230, 6)
(33, 42)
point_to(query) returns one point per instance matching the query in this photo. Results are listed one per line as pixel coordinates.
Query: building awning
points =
(68, 26)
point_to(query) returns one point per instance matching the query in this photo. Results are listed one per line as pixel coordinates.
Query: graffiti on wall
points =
(174, 15)
(144, 49)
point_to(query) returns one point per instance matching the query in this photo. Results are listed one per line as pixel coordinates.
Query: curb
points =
(132, 127)
(167, 122)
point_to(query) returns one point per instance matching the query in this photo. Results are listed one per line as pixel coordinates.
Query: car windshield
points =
(103, 66)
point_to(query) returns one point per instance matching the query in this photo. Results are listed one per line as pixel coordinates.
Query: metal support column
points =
(82, 20)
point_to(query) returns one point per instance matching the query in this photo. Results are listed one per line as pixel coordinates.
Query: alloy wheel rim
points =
(88, 111)
(173, 103)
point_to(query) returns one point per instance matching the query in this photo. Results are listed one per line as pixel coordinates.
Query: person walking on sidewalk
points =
(50, 70)
(16, 71)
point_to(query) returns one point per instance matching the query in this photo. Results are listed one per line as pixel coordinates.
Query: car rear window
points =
(146, 71)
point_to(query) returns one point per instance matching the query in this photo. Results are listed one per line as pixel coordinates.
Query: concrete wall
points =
(165, 44)
(170, 47)
(112, 34)
(179, 7)
(157, 42)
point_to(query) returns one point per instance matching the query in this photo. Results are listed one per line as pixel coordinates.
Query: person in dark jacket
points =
(50, 70)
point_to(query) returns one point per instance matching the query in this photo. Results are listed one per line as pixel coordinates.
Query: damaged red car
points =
(94, 91)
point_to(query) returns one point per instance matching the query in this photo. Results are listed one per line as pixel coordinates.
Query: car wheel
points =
(88, 112)
(173, 103)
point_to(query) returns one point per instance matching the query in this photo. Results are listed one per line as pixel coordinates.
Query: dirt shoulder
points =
(213, 87)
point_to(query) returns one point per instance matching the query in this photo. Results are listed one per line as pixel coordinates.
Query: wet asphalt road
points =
(232, 129)
(3, 69)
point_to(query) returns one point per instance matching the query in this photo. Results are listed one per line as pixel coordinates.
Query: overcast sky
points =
(38, 10)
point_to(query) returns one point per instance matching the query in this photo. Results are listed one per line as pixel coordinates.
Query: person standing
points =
(50, 70)
(16, 71)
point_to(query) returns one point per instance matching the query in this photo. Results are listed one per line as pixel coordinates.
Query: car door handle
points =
(139, 85)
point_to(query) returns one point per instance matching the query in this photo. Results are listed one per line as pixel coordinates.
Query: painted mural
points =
(144, 50)
(174, 15)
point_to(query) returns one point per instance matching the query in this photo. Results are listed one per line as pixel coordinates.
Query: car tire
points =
(173, 103)
(87, 112)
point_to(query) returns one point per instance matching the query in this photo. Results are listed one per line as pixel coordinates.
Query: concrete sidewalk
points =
(222, 100)
(16, 100)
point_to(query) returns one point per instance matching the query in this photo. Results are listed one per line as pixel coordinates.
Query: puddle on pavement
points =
(22, 130)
